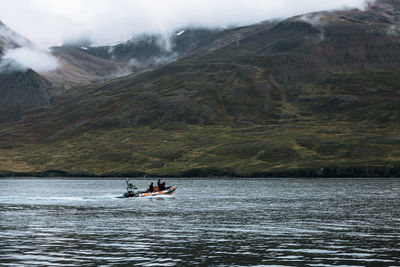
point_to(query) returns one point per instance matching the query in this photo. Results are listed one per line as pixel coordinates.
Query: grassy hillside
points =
(243, 151)
(313, 92)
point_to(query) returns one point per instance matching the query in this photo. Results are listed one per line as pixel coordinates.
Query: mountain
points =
(21, 88)
(148, 50)
(77, 68)
(10, 39)
(82, 63)
(315, 94)
(21, 91)
(264, 73)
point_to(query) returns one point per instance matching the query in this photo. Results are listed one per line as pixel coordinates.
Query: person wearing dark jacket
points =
(159, 184)
(151, 188)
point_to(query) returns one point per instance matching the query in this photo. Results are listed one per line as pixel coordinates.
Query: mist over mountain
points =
(106, 22)
(22, 88)
(316, 92)
(154, 48)
(19, 53)
(78, 63)
(10, 39)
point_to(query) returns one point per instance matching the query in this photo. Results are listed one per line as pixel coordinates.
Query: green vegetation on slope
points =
(269, 98)
(243, 151)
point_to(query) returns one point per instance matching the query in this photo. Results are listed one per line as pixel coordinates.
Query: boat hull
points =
(168, 191)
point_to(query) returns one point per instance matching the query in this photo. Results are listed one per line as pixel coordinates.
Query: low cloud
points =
(315, 20)
(392, 30)
(165, 59)
(24, 58)
(10, 39)
(49, 22)
(20, 54)
(8, 66)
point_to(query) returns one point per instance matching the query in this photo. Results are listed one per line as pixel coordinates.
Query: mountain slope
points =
(313, 92)
(10, 39)
(21, 88)
(81, 64)
(77, 67)
(263, 77)
(147, 50)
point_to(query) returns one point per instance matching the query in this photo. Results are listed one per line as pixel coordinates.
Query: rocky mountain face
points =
(20, 88)
(264, 73)
(150, 50)
(10, 39)
(77, 68)
(20, 91)
(312, 91)
(82, 64)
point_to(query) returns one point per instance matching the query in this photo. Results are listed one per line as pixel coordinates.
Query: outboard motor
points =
(130, 193)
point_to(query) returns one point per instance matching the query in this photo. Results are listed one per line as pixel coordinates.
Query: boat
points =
(132, 191)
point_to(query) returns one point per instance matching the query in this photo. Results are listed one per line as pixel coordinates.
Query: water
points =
(286, 222)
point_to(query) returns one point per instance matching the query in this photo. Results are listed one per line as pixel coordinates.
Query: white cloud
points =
(10, 39)
(50, 22)
(24, 58)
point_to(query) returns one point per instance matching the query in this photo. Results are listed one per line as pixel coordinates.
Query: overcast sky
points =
(50, 22)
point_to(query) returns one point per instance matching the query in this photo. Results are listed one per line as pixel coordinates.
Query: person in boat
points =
(130, 187)
(162, 186)
(151, 188)
(159, 185)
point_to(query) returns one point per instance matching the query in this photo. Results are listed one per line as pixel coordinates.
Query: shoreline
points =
(325, 172)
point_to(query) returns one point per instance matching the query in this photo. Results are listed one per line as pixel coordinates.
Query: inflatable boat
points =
(133, 192)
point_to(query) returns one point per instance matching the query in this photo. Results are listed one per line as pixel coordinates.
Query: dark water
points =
(287, 222)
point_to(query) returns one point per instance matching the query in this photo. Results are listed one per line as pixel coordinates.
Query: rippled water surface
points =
(293, 222)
